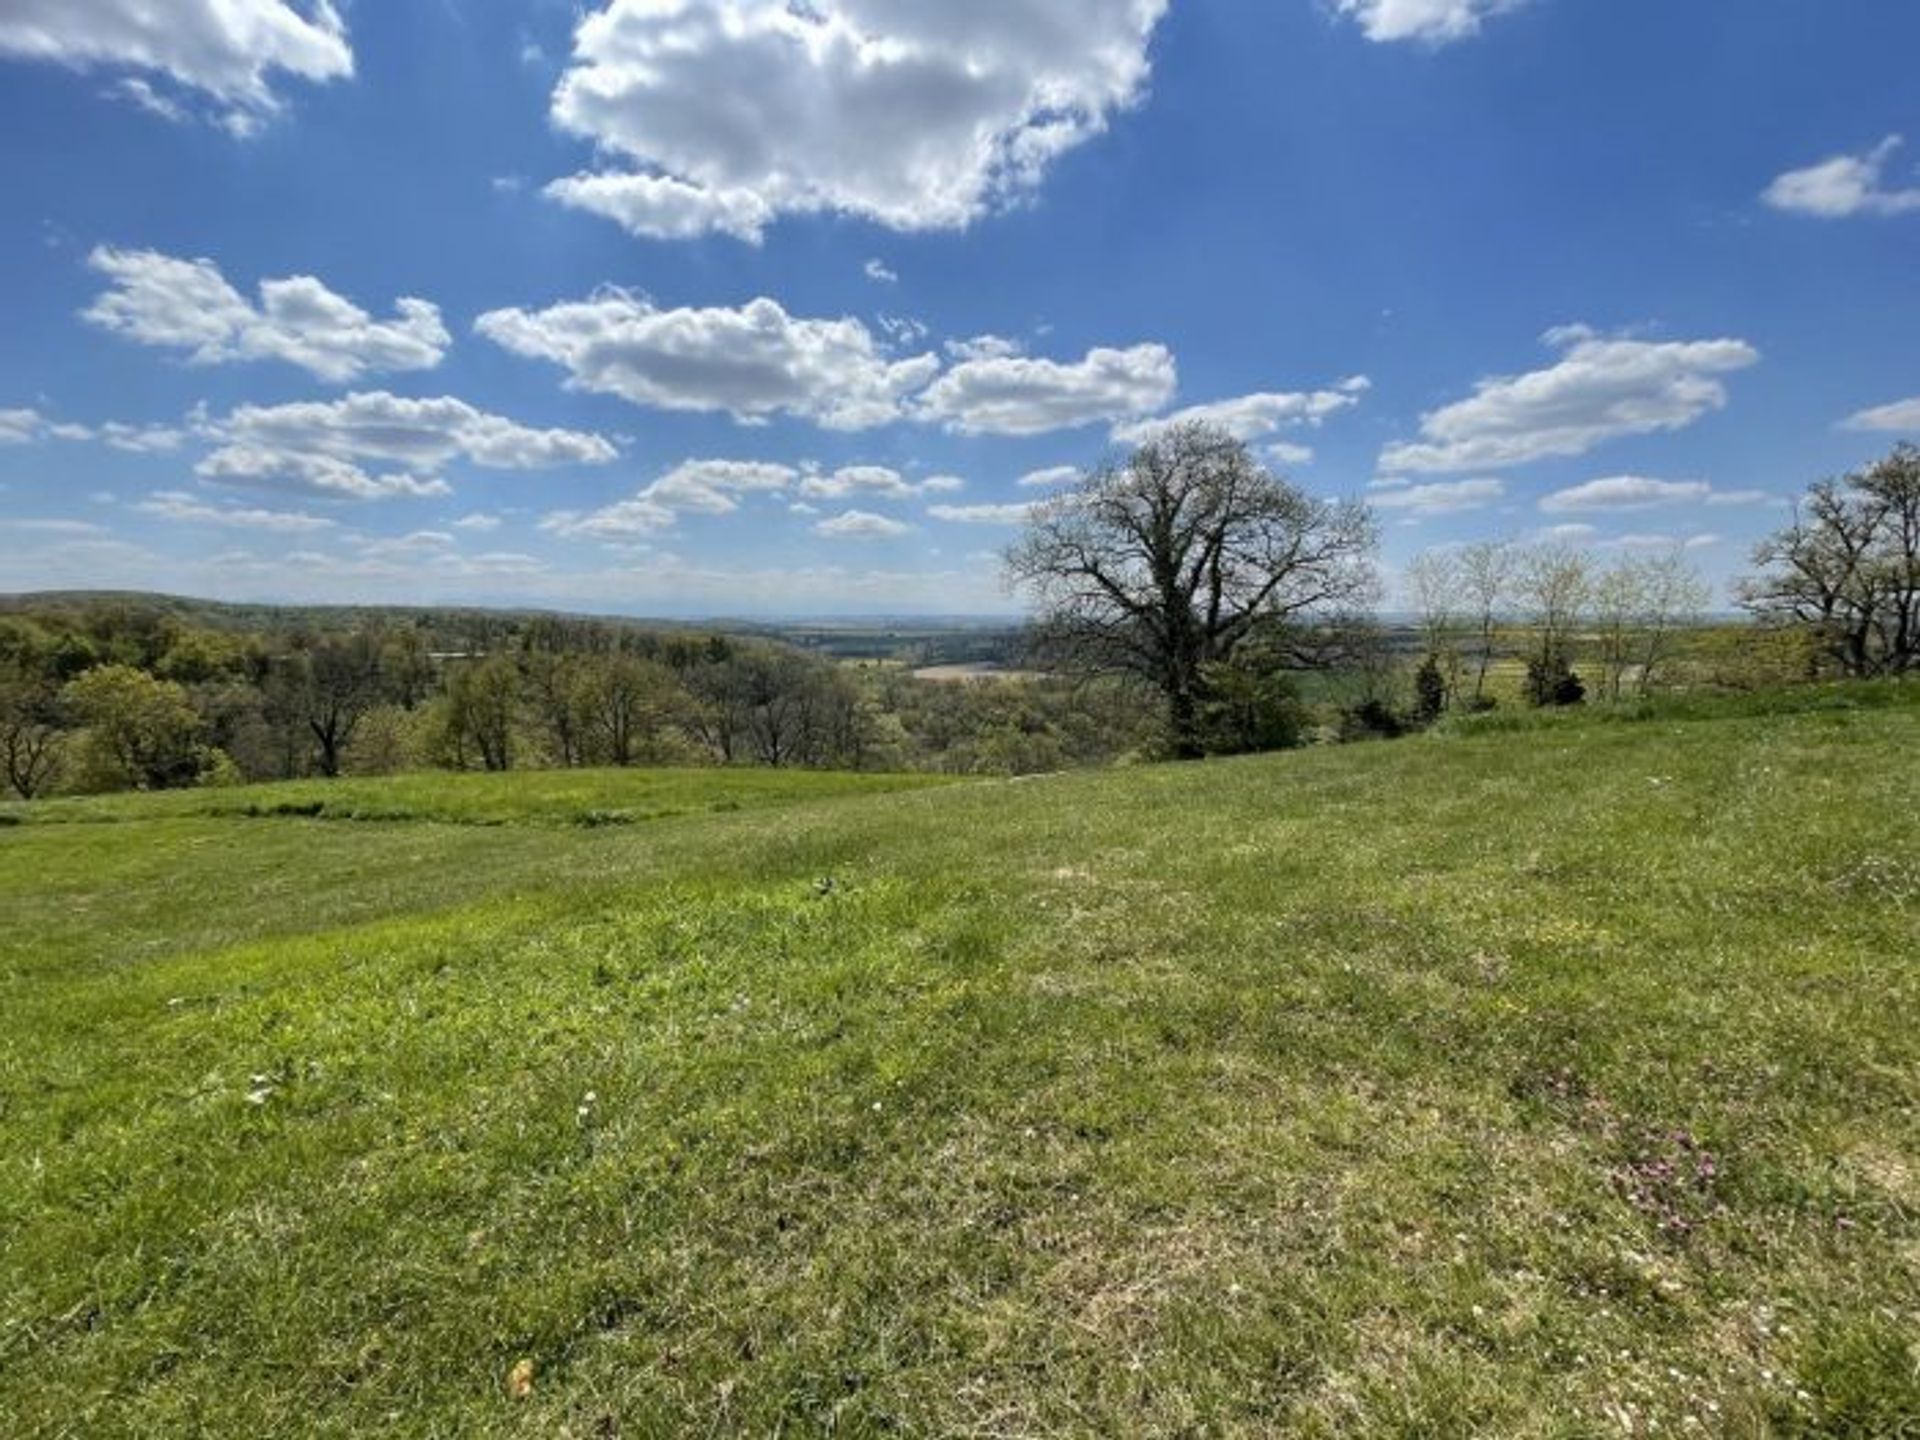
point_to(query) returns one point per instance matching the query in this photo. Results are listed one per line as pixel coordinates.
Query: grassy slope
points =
(1541, 1084)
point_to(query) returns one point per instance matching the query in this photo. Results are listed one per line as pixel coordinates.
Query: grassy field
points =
(1554, 1081)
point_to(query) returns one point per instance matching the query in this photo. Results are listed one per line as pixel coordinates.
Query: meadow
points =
(1551, 1077)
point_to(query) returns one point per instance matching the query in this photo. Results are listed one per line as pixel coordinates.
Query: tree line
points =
(1216, 585)
(108, 696)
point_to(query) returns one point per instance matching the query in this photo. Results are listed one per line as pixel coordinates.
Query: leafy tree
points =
(1165, 563)
(30, 738)
(1848, 568)
(483, 703)
(1250, 708)
(141, 732)
(1429, 692)
(328, 686)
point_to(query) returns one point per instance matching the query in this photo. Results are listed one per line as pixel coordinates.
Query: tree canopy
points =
(1169, 561)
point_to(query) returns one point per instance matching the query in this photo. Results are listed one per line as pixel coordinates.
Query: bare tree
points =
(1848, 568)
(1435, 585)
(1486, 571)
(1555, 586)
(1166, 562)
(1673, 596)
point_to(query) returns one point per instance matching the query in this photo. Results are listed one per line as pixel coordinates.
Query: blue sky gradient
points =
(1269, 198)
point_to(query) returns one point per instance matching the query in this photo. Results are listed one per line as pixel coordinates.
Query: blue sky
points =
(737, 307)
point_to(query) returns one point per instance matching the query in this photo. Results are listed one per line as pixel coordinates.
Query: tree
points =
(1486, 573)
(483, 701)
(1434, 584)
(327, 687)
(1167, 562)
(30, 739)
(627, 699)
(556, 685)
(1847, 569)
(141, 732)
(1555, 585)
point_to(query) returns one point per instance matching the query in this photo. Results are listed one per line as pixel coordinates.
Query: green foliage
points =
(1249, 708)
(1429, 692)
(1313, 1094)
(137, 732)
(1551, 682)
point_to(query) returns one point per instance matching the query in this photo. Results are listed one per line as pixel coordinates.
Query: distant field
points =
(983, 670)
(1559, 1081)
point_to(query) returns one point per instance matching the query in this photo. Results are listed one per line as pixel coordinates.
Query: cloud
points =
(226, 49)
(140, 93)
(188, 305)
(1049, 478)
(141, 439)
(984, 347)
(918, 115)
(30, 427)
(620, 523)
(700, 487)
(254, 468)
(1843, 186)
(179, 506)
(320, 447)
(1443, 498)
(1284, 452)
(860, 525)
(1901, 415)
(873, 482)
(709, 487)
(1013, 395)
(753, 362)
(1601, 389)
(479, 523)
(1625, 492)
(1252, 417)
(21, 427)
(1661, 542)
(1015, 514)
(422, 434)
(1434, 21)
(877, 271)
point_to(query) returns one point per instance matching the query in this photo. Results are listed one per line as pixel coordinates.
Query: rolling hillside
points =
(1548, 1083)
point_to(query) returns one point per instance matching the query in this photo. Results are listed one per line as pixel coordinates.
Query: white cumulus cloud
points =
(321, 447)
(753, 362)
(1844, 185)
(178, 505)
(1901, 415)
(1049, 478)
(1446, 497)
(1601, 389)
(1015, 395)
(1014, 514)
(188, 305)
(1625, 492)
(860, 525)
(226, 49)
(918, 114)
(1433, 21)
(1253, 417)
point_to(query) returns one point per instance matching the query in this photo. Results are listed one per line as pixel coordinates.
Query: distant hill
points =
(937, 640)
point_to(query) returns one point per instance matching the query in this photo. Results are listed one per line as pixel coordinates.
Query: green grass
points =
(544, 797)
(1559, 1083)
